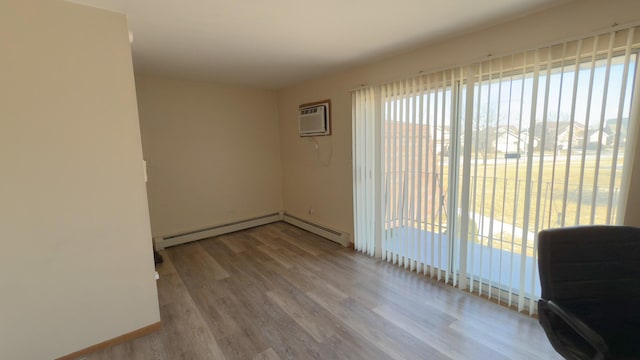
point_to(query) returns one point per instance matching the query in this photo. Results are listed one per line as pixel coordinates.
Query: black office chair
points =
(590, 303)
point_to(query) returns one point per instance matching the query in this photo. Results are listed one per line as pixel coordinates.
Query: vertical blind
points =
(475, 160)
(363, 142)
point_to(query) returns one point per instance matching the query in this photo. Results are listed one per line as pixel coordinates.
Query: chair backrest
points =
(593, 272)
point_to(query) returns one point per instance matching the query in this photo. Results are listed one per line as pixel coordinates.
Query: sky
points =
(503, 98)
(510, 99)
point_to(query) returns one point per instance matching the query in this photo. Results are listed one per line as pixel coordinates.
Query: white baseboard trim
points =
(340, 237)
(173, 240)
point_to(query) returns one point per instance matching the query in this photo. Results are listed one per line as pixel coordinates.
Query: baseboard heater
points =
(173, 240)
(341, 238)
(163, 242)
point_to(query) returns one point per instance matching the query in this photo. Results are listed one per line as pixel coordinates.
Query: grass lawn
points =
(498, 191)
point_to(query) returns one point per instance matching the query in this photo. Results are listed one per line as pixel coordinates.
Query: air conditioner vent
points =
(314, 119)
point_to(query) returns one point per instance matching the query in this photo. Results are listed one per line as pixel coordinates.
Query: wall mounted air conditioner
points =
(314, 119)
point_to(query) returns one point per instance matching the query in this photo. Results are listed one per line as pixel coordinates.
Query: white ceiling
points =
(275, 43)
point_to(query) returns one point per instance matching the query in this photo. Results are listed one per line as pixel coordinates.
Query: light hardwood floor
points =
(278, 292)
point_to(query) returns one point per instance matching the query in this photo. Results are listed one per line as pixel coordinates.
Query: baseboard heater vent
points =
(173, 240)
(341, 238)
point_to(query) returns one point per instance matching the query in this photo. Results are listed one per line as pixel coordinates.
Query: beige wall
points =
(329, 189)
(76, 266)
(212, 153)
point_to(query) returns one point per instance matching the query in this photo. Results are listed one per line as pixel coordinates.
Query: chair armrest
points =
(582, 329)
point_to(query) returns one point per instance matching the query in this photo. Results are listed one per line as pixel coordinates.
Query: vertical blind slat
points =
(467, 132)
(402, 257)
(443, 108)
(493, 199)
(515, 202)
(433, 129)
(410, 251)
(415, 244)
(587, 120)
(525, 230)
(616, 143)
(527, 206)
(421, 246)
(567, 170)
(397, 178)
(600, 132)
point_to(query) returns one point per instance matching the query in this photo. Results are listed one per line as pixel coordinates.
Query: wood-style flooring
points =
(279, 292)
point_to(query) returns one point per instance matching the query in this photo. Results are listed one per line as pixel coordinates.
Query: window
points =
(474, 161)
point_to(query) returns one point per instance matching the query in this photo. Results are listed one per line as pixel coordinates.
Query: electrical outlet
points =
(311, 210)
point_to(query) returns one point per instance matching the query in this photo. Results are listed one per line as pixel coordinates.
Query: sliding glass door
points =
(547, 151)
(474, 161)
